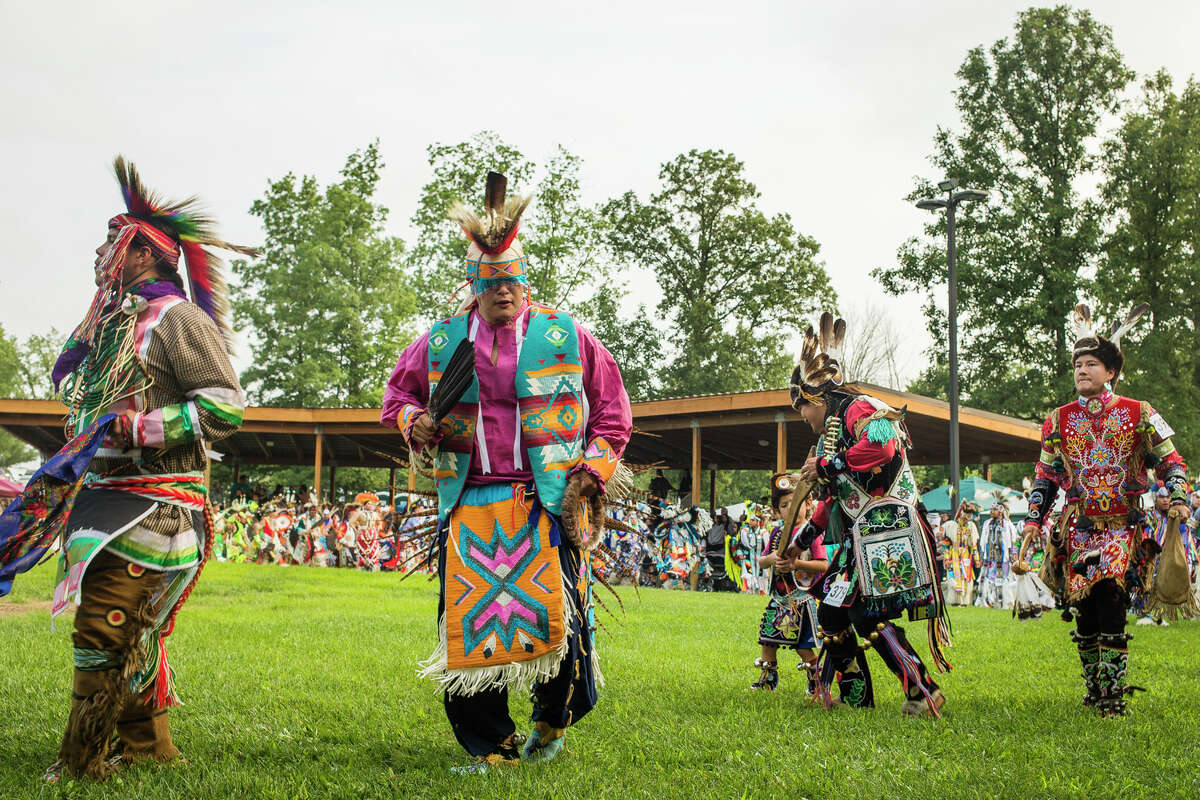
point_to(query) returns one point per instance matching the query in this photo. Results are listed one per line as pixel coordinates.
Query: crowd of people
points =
(290, 529)
(672, 546)
(977, 554)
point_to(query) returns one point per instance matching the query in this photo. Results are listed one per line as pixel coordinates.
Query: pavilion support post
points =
(781, 454)
(987, 468)
(237, 471)
(333, 483)
(697, 472)
(712, 487)
(392, 488)
(317, 464)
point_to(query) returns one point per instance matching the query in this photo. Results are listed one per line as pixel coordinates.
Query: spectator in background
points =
(685, 489)
(963, 557)
(714, 549)
(997, 549)
(660, 487)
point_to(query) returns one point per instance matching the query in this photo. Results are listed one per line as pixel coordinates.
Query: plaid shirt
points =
(194, 398)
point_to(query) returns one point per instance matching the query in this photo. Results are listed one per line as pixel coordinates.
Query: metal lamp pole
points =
(951, 202)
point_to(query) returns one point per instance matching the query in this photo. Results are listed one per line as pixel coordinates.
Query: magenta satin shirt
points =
(499, 456)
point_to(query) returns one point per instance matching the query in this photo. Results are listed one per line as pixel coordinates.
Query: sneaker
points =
(484, 764)
(1144, 621)
(538, 751)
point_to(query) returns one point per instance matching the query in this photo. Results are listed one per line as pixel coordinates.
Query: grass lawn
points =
(300, 683)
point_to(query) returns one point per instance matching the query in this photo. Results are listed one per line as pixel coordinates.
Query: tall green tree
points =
(735, 282)
(564, 237)
(1152, 253)
(328, 303)
(35, 361)
(12, 449)
(1029, 107)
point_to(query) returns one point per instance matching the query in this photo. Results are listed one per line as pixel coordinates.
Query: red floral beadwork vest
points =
(1102, 449)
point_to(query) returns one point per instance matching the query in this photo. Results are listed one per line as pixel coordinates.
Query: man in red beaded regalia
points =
(1097, 449)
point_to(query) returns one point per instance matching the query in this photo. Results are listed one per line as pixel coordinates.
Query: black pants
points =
(481, 721)
(1103, 610)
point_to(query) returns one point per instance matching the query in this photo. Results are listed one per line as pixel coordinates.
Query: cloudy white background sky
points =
(832, 107)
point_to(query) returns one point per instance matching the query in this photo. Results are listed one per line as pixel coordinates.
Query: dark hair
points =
(166, 270)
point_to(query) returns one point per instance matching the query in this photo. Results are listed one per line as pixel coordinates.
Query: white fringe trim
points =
(473, 680)
(596, 665)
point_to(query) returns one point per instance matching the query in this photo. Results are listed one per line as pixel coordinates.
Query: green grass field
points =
(300, 683)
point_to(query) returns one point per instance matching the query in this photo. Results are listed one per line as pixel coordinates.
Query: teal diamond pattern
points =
(556, 335)
(438, 341)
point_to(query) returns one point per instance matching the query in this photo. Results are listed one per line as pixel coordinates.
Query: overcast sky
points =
(832, 107)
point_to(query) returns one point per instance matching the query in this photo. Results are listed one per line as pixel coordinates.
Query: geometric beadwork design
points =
(503, 598)
(503, 608)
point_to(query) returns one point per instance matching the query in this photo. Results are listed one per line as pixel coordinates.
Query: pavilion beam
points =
(276, 427)
(663, 444)
(728, 419)
(660, 445)
(317, 463)
(697, 472)
(781, 448)
(367, 428)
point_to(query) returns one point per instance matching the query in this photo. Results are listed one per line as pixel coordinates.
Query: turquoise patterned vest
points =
(550, 396)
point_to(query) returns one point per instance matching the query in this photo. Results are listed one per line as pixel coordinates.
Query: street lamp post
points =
(951, 202)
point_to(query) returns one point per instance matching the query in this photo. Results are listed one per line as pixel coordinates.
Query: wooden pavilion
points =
(746, 430)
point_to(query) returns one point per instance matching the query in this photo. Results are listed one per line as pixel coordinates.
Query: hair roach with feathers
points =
(186, 222)
(820, 369)
(495, 230)
(1106, 348)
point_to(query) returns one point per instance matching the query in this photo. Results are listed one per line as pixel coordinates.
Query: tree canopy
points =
(735, 283)
(328, 304)
(1030, 108)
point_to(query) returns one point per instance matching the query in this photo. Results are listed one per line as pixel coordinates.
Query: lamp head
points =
(969, 194)
(931, 205)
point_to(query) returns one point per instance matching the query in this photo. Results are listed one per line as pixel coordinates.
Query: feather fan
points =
(457, 377)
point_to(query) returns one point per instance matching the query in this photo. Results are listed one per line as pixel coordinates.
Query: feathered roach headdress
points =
(819, 371)
(171, 227)
(495, 255)
(1107, 349)
(168, 229)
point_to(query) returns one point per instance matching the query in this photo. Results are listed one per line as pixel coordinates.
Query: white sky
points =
(832, 107)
